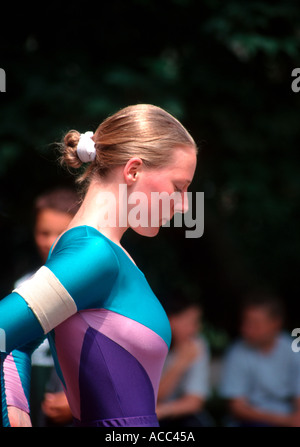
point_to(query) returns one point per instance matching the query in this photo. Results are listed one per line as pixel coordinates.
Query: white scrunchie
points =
(86, 150)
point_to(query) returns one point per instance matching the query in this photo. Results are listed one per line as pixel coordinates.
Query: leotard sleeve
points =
(18, 328)
(15, 379)
(78, 275)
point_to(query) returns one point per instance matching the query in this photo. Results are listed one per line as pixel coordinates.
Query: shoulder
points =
(285, 346)
(236, 350)
(86, 244)
(284, 339)
(84, 255)
(85, 264)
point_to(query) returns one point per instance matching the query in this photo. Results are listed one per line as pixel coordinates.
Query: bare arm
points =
(241, 409)
(18, 418)
(184, 356)
(183, 406)
(56, 407)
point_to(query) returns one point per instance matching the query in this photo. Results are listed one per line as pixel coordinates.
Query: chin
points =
(147, 231)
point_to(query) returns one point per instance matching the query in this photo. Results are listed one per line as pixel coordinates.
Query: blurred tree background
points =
(222, 68)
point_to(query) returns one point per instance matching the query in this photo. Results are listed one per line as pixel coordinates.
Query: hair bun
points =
(69, 149)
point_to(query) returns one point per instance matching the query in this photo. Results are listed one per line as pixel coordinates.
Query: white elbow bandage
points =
(49, 300)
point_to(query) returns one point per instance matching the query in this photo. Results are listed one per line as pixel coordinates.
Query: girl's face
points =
(49, 225)
(155, 186)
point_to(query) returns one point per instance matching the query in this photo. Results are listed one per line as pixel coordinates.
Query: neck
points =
(268, 345)
(102, 208)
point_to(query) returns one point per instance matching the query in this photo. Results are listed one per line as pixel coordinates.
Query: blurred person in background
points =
(184, 385)
(52, 213)
(261, 373)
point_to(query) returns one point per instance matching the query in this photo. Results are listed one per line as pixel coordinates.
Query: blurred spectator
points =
(53, 211)
(184, 384)
(261, 375)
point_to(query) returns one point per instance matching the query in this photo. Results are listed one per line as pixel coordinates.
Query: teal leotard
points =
(110, 347)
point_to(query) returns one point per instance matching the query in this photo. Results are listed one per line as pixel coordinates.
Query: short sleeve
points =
(78, 275)
(196, 381)
(294, 372)
(234, 377)
(15, 379)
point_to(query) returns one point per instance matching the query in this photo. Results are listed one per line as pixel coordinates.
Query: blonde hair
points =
(142, 130)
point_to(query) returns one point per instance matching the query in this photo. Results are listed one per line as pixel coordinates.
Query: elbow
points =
(236, 407)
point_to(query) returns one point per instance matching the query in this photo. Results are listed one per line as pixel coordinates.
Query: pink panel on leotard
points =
(69, 337)
(140, 341)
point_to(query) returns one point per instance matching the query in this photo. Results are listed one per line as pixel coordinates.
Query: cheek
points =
(158, 183)
(159, 202)
(155, 202)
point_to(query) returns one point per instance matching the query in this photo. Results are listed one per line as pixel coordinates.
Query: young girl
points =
(109, 334)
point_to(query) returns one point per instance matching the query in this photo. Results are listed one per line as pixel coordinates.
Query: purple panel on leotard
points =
(138, 421)
(143, 343)
(113, 384)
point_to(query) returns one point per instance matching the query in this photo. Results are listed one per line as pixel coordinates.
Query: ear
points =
(132, 170)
